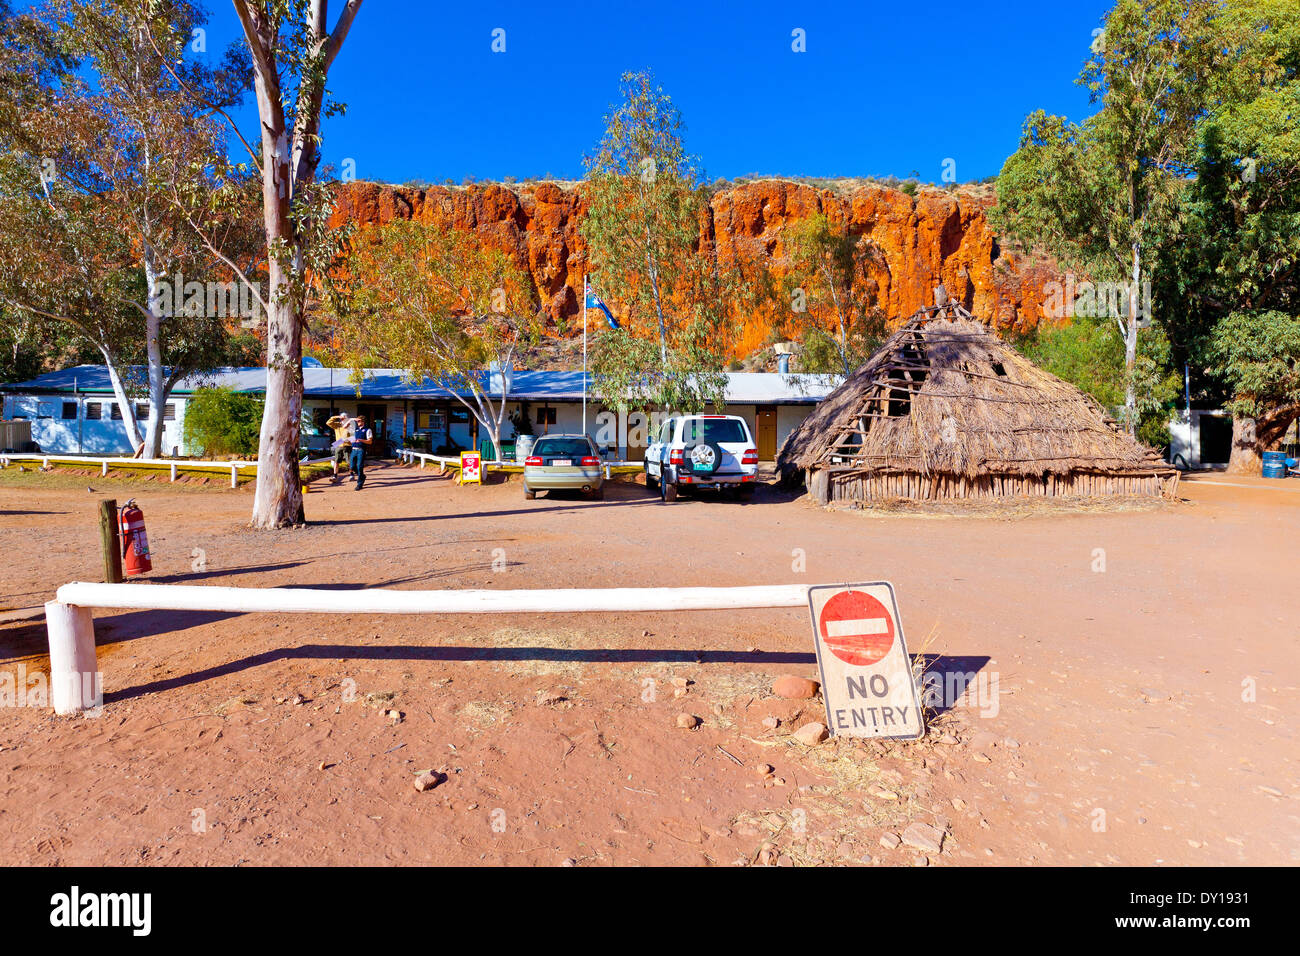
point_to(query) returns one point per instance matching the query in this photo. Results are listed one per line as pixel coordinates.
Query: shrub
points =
(221, 421)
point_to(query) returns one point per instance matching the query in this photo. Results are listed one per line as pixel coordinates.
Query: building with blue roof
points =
(75, 411)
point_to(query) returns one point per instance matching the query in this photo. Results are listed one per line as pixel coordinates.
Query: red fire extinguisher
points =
(135, 543)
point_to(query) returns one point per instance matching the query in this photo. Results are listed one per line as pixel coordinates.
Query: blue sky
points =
(882, 89)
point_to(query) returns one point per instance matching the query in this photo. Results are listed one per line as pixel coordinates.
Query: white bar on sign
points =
(867, 625)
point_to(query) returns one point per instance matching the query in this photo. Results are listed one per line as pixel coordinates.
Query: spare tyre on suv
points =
(702, 451)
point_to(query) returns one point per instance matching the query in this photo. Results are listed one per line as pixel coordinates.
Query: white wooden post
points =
(75, 683)
(234, 476)
(103, 468)
(173, 471)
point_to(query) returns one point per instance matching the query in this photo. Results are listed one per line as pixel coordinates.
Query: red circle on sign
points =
(856, 628)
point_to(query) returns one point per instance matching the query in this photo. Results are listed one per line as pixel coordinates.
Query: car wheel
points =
(598, 494)
(530, 495)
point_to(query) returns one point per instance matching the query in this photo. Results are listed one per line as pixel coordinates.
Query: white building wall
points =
(1185, 436)
(787, 419)
(81, 436)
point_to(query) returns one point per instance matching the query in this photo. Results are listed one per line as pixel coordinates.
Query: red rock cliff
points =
(921, 240)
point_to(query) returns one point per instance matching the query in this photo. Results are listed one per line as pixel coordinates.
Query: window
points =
(141, 410)
(169, 412)
(459, 416)
(666, 433)
(713, 429)
(69, 411)
(117, 412)
(430, 420)
(94, 411)
(563, 448)
(546, 415)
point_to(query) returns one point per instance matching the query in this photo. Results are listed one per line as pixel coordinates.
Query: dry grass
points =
(481, 714)
(557, 641)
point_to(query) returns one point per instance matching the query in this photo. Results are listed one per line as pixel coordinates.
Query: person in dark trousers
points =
(361, 439)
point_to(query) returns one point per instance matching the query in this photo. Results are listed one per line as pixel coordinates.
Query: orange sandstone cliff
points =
(920, 240)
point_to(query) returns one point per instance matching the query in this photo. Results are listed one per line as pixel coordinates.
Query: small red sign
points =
(856, 628)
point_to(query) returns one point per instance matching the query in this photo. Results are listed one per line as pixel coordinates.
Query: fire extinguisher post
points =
(135, 540)
(109, 541)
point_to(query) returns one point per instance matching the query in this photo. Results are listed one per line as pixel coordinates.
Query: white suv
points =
(702, 451)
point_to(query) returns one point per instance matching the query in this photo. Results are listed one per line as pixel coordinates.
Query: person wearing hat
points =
(361, 440)
(343, 429)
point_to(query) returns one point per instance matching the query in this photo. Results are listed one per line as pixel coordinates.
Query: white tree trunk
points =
(157, 374)
(278, 501)
(124, 401)
(1130, 344)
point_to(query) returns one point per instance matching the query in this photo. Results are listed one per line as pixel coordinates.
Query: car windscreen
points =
(562, 448)
(713, 429)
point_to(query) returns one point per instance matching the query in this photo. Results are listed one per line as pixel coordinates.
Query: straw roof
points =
(945, 396)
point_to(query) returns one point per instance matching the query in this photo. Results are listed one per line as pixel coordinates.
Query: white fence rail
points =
(74, 678)
(173, 465)
(410, 456)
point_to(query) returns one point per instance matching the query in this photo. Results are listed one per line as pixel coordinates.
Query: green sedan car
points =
(564, 463)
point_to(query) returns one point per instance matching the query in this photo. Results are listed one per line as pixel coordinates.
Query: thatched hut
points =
(945, 410)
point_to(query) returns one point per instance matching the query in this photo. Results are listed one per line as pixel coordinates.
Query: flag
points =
(596, 302)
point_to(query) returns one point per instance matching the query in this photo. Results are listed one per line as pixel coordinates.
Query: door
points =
(377, 419)
(765, 417)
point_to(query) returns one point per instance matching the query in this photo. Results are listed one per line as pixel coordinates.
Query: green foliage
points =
(1232, 274)
(1260, 356)
(628, 372)
(823, 260)
(439, 305)
(1102, 194)
(822, 353)
(221, 421)
(1089, 353)
(673, 298)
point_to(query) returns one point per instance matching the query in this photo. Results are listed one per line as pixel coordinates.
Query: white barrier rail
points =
(410, 456)
(174, 465)
(74, 679)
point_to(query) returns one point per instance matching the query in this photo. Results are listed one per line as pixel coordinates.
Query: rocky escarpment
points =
(918, 240)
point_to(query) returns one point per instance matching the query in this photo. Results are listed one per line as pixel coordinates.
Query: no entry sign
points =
(866, 672)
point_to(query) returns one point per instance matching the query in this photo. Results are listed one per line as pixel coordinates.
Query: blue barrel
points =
(1292, 462)
(1275, 470)
(1275, 458)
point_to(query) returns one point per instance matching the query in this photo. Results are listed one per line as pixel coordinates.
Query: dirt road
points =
(1132, 699)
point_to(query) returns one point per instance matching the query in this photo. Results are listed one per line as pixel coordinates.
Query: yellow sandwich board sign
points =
(866, 672)
(471, 468)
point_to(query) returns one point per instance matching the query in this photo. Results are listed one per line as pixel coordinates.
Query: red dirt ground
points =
(1144, 713)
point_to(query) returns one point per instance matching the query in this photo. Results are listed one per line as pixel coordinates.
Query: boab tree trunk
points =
(1251, 437)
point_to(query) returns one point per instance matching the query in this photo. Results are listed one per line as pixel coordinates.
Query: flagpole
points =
(584, 353)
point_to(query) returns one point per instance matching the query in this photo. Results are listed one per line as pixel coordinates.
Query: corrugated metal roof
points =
(743, 388)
